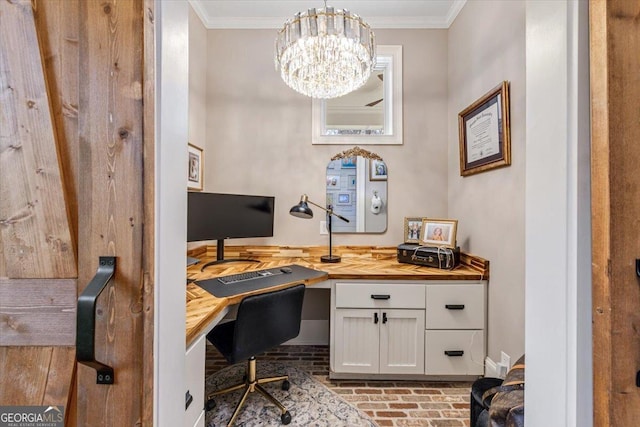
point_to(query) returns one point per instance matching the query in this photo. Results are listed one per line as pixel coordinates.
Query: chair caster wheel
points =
(210, 404)
(286, 385)
(286, 418)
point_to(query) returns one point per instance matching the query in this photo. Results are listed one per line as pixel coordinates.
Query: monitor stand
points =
(220, 256)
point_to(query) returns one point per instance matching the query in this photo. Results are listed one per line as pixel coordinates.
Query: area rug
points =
(308, 400)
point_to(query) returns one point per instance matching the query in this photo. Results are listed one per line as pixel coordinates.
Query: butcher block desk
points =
(362, 262)
(369, 283)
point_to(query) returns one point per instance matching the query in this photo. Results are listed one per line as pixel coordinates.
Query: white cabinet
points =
(409, 330)
(378, 329)
(454, 334)
(194, 395)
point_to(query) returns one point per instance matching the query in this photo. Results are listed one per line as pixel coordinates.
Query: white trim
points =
(454, 11)
(275, 23)
(389, 56)
(171, 133)
(376, 22)
(557, 220)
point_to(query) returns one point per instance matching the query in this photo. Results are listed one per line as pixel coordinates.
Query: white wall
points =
(486, 47)
(197, 81)
(558, 247)
(259, 135)
(172, 71)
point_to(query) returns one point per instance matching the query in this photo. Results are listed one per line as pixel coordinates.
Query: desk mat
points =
(298, 275)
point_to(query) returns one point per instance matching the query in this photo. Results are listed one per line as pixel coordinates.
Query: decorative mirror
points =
(371, 114)
(357, 190)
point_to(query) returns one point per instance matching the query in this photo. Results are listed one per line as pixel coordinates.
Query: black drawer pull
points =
(188, 399)
(375, 296)
(454, 353)
(454, 306)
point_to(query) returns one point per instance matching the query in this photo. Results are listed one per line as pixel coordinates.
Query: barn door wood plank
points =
(110, 199)
(61, 377)
(28, 368)
(33, 214)
(615, 103)
(149, 210)
(57, 26)
(38, 312)
(34, 376)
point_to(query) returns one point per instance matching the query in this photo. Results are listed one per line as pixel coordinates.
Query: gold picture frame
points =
(412, 229)
(484, 131)
(195, 168)
(439, 232)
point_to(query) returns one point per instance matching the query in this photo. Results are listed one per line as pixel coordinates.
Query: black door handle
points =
(380, 296)
(384, 317)
(454, 353)
(375, 318)
(454, 306)
(86, 320)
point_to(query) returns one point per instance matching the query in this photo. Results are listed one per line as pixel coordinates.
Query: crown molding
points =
(376, 22)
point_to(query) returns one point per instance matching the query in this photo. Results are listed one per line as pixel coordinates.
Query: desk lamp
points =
(302, 210)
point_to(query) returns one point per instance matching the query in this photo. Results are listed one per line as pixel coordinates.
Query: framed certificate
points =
(485, 141)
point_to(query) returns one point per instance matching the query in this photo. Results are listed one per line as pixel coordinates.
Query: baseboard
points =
(312, 332)
(490, 368)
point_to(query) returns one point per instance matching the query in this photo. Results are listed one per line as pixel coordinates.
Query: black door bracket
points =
(86, 320)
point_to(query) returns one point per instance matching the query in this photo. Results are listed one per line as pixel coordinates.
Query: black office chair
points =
(263, 322)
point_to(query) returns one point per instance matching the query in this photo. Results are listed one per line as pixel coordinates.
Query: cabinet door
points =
(195, 381)
(402, 341)
(356, 340)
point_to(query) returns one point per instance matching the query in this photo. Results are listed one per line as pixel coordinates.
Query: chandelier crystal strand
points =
(325, 53)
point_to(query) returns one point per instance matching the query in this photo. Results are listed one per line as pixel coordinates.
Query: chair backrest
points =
(267, 320)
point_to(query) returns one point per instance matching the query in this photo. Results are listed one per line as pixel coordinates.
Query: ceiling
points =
(377, 13)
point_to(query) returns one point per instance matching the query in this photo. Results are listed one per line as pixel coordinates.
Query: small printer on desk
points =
(429, 256)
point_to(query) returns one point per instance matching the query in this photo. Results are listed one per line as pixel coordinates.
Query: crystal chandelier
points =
(325, 53)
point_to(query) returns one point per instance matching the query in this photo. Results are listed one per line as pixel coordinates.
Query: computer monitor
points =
(218, 216)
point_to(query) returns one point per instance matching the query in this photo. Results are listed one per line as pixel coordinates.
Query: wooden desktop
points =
(361, 262)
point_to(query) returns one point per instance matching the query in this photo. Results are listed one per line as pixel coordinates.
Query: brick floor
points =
(389, 403)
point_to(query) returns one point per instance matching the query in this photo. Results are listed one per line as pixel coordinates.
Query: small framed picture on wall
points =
(377, 170)
(194, 181)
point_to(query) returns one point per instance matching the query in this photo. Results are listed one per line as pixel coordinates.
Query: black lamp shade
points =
(301, 210)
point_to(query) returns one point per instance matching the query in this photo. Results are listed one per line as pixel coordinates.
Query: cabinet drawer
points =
(195, 381)
(380, 295)
(454, 352)
(455, 307)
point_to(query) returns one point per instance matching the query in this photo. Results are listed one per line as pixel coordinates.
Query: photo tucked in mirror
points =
(357, 189)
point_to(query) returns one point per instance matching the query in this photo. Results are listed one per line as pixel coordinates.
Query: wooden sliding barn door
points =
(76, 183)
(615, 105)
